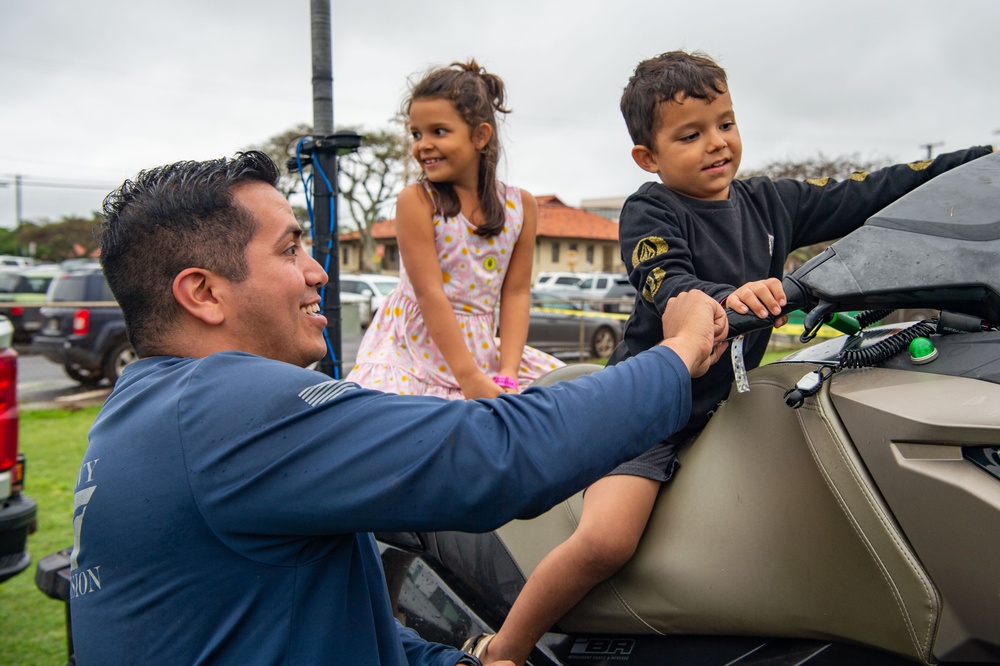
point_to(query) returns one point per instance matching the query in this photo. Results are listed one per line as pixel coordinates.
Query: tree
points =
(370, 179)
(817, 167)
(821, 166)
(70, 237)
(280, 148)
(8, 242)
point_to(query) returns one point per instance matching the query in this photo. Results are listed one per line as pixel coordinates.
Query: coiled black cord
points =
(869, 317)
(884, 349)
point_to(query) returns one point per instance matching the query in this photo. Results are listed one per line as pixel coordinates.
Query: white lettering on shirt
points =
(89, 580)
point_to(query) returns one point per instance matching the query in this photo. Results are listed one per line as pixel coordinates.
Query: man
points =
(225, 503)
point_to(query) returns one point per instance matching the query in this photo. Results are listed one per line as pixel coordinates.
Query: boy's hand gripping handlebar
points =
(796, 298)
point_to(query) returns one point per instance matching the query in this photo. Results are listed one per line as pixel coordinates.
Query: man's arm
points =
(369, 461)
(420, 652)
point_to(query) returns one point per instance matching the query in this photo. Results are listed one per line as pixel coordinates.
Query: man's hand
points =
(695, 326)
(763, 297)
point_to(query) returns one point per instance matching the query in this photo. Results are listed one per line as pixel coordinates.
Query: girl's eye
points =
(687, 138)
(728, 125)
(416, 136)
(440, 131)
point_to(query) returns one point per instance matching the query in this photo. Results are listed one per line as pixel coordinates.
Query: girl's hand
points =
(480, 386)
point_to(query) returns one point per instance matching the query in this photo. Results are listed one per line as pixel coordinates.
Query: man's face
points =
(697, 147)
(275, 312)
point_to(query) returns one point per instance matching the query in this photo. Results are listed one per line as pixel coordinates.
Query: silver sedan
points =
(563, 327)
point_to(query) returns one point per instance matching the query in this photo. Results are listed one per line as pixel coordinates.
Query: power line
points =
(29, 181)
(20, 182)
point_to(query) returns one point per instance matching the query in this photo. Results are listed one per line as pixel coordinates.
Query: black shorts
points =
(659, 463)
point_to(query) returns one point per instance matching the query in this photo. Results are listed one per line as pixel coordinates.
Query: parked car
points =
(563, 327)
(17, 510)
(82, 327)
(596, 285)
(358, 303)
(620, 297)
(13, 261)
(610, 292)
(558, 282)
(25, 290)
(374, 287)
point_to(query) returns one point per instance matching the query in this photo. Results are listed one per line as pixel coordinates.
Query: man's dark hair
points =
(667, 78)
(170, 218)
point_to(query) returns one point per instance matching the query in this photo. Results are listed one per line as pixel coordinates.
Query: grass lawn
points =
(34, 626)
(772, 355)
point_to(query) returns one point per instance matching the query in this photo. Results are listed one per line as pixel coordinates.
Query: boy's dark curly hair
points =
(667, 77)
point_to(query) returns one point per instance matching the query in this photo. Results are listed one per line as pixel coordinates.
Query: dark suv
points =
(82, 327)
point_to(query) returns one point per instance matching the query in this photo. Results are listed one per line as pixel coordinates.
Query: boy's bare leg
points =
(615, 512)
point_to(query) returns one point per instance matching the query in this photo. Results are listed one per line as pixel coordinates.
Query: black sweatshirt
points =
(671, 243)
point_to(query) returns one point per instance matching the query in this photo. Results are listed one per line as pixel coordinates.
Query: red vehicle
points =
(17, 511)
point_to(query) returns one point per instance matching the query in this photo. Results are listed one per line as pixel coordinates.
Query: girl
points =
(466, 242)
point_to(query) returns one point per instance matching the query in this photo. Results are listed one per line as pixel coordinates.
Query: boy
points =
(698, 228)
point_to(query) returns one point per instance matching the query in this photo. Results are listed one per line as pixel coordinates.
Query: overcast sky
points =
(91, 92)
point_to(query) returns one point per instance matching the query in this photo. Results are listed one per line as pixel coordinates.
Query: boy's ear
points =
(482, 135)
(645, 158)
(198, 292)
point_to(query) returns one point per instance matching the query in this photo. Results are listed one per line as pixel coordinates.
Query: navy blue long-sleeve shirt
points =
(224, 505)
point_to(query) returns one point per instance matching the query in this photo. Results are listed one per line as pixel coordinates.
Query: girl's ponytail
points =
(495, 89)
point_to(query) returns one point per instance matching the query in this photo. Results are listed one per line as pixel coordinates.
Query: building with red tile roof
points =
(568, 239)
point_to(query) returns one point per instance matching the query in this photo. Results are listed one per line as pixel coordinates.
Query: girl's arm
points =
(515, 295)
(415, 233)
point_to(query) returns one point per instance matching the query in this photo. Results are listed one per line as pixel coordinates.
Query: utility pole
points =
(18, 213)
(930, 148)
(323, 149)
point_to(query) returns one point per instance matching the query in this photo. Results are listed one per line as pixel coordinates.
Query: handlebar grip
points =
(745, 323)
(796, 297)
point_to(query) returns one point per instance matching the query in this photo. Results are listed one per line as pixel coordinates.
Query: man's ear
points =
(644, 157)
(481, 137)
(197, 291)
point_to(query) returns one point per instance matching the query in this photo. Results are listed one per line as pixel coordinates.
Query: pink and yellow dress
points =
(397, 354)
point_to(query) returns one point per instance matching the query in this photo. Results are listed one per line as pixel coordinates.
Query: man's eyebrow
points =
(292, 232)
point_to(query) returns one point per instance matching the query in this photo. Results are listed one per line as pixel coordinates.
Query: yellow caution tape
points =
(583, 313)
